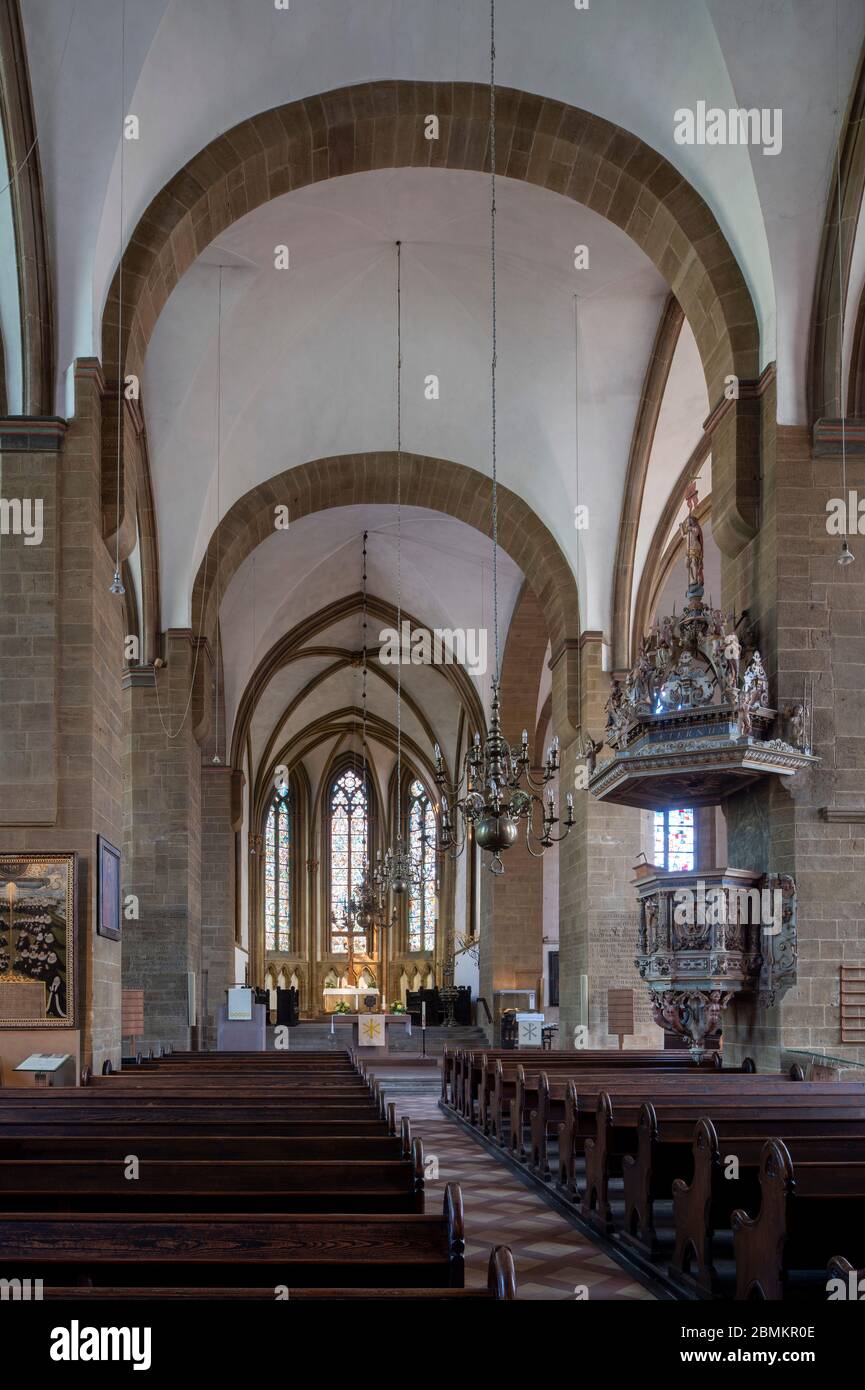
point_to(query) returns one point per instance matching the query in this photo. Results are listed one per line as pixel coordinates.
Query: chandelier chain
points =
(218, 479)
(493, 325)
(496, 793)
(841, 296)
(363, 673)
(120, 408)
(399, 537)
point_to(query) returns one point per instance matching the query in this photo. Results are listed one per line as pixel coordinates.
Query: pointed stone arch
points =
(380, 125)
(36, 304)
(439, 484)
(832, 281)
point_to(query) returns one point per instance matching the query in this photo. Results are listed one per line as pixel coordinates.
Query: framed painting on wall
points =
(37, 940)
(107, 889)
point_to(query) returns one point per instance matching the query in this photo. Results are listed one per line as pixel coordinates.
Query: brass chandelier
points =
(393, 873)
(366, 907)
(495, 794)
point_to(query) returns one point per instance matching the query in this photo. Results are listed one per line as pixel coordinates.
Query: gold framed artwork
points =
(37, 940)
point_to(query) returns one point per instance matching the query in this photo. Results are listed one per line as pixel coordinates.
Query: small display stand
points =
(530, 1029)
(620, 1014)
(241, 1024)
(49, 1068)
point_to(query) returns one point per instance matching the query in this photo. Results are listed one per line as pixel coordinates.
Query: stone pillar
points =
(29, 619)
(809, 612)
(597, 903)
(219, 826)
(512, 906)
(61, 657)
(163, 868)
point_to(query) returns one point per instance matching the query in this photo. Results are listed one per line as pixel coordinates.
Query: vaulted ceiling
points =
(308, 354)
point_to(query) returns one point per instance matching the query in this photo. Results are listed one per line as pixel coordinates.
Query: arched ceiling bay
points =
(444, 577)
(309, 354)
(197, 67)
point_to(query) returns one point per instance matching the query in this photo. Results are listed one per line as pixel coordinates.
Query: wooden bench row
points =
(228, 1183)
(501, 1285)
(167, 1250)
(782, 1209)
(463, 1068)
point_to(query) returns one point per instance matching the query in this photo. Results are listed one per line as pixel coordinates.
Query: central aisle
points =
(551, 1257)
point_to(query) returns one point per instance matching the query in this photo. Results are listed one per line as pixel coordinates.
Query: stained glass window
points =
(277, 873)
(349, 830)
(423, 899)
(674, 840)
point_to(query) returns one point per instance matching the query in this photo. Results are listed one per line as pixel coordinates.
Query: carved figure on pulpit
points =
(642, 681)
(732, 654)
(795, 717)
(590, 752)
(615, 711)
(746, 704)
(757, 682)
(652, 922)
(669, 1012)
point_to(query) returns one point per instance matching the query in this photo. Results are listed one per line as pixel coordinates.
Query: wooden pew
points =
(283, 1057)
(542, 1105)
(213, 1148)
(613, 1142)
(277, 1083)
(162, 1250)
(501, 1284)
(705, 1205)
(20, 1120)
(170, 1184)
(806, 1214)
(665, 1153)
(250, 1102)
(477, 1063)
(520, 1082)
(581, 1101)
(853, 1279)
(220, 1148)
(448, 1074)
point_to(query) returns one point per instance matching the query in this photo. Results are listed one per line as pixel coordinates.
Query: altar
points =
(370, 1031)
(363, 1000)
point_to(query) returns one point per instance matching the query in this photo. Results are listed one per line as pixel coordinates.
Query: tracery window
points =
(674, 839)
(423, 898)
(277, 872)
(348, 841)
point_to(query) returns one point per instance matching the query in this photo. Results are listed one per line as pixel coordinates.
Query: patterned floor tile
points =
(552, 1259)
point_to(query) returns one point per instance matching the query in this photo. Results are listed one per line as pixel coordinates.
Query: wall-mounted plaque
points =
(37, 940)
(108, 889)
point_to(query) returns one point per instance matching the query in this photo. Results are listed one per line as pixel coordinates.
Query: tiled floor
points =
(553, 1260)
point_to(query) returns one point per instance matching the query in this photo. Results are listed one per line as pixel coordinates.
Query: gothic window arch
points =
(347, 809)
(423, 897)
(278, 867)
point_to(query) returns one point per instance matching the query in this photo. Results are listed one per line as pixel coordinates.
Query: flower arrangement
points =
(397, 1007)
(342, 1008)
